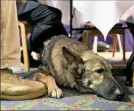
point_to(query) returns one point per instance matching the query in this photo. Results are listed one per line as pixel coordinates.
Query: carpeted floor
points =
(74, 100)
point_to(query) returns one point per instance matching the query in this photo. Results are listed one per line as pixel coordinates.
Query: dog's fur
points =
(71, 64)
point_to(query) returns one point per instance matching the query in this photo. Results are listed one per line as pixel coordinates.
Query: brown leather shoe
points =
(15, 88)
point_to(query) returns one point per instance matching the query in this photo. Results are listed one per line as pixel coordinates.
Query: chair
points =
(115, 33)
(116, 38)
(24, 45)
(129, 71)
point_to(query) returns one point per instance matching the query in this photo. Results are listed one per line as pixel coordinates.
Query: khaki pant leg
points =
(10, 43)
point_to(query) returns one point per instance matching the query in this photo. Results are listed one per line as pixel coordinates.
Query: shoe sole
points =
(25, 97)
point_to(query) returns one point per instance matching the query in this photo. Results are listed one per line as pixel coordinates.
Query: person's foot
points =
(32, 62)
(15, 88)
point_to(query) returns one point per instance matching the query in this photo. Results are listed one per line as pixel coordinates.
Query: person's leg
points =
(46, 23)
(36, 43)
(10, 45)
(12, 86)
(60, 29)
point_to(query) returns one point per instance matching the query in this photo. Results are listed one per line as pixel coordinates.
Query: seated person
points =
(46, 23)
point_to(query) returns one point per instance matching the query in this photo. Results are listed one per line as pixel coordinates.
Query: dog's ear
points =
(106, 62)
(70, 57)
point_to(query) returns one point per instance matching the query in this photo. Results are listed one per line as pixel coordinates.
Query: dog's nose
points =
(119, 94)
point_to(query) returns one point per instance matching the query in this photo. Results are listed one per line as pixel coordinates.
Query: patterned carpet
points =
(74, 100)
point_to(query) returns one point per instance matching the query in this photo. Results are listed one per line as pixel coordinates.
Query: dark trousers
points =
(36, 43)
(46, 23)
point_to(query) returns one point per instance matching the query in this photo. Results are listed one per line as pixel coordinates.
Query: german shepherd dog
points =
(69, 63)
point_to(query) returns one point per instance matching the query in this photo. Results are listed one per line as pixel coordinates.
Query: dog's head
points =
(93, 72)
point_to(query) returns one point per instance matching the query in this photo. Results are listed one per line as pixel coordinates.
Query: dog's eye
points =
(99, 70)
(82, 71)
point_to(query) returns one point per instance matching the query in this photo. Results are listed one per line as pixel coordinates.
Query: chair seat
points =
(117, 58)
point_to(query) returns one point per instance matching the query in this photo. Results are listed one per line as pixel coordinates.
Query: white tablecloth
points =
(103, 14)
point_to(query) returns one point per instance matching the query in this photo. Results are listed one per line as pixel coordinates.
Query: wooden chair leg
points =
(95, 44)
(114, 44)
(119, 41)
(24, 45)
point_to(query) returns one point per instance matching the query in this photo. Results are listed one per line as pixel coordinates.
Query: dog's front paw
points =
(49, 81)
(55, 92)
